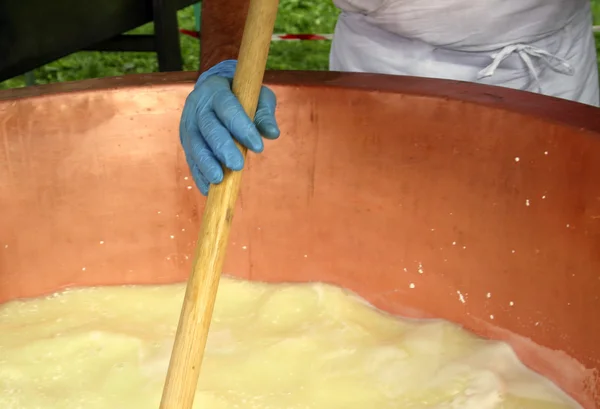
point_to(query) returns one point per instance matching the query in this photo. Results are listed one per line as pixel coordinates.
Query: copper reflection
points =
(430, 198)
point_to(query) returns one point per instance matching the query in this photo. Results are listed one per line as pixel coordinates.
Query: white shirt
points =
(542, 46)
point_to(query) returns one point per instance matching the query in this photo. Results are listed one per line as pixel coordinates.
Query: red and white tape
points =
(306, 37)
(277, 37)
(301, 37)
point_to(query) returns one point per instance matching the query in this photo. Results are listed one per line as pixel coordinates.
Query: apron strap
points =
(526, 52)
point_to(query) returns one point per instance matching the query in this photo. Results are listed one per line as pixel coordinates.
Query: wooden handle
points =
(202, 286)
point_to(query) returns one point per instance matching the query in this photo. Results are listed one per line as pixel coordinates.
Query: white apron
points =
(544, 46)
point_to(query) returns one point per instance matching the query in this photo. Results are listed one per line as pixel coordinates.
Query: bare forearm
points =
(222, 26)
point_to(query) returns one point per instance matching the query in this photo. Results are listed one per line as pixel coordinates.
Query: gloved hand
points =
(212, 117)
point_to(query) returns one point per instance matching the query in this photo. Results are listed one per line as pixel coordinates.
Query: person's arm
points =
(212, 116)
(221, 29)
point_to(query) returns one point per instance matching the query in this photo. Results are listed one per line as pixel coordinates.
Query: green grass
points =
(295, 16)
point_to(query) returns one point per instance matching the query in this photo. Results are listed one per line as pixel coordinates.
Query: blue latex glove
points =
(212, 117)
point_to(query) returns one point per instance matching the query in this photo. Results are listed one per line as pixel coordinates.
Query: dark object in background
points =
(37, 32)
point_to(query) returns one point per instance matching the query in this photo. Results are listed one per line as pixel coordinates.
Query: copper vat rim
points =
(549, 109)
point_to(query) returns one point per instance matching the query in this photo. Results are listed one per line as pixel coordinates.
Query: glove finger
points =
(265, 114)
(199, 155)
(220, 141)
(200, 180)
(229, 110)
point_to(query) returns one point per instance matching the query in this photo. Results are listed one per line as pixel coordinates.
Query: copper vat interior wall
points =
(429, 198)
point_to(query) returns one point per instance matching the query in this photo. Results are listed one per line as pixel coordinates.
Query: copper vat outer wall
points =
(430, 198)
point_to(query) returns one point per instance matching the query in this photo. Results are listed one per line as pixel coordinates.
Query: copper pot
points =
(430, 198)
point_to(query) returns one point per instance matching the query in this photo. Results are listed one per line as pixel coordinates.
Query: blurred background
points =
(295, 16)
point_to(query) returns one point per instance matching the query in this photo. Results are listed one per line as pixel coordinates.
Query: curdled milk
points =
(276, 346)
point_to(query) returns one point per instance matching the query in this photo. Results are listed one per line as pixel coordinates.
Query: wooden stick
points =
(199, 301)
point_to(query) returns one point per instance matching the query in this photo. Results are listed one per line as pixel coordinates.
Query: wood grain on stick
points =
(202, 286)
